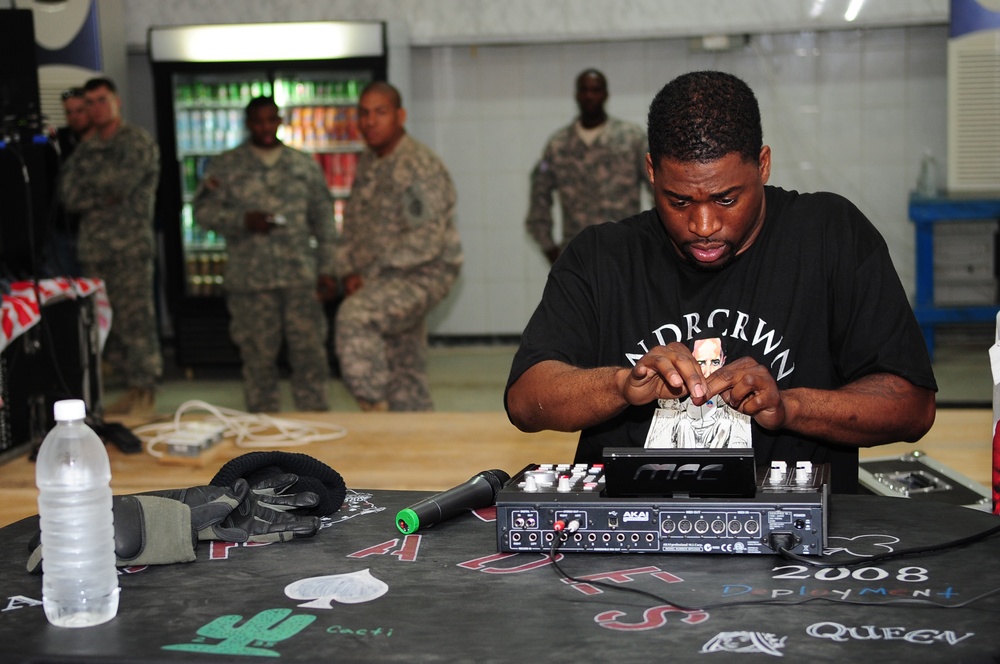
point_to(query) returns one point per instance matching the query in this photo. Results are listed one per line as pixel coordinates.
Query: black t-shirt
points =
(815, 299)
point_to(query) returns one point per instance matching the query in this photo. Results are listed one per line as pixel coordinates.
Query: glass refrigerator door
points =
(319, 109)
(319, 112)
(209, 112)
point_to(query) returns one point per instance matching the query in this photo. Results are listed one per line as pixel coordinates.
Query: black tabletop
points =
(361, 591)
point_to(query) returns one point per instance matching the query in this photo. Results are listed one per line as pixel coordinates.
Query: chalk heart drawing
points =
(352, 588)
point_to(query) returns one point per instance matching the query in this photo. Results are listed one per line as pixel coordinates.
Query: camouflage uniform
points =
(596, 183)
(111, 184)
(400, 236)
(270, 279)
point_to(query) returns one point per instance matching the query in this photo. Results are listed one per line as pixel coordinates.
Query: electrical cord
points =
(562, 528)
(868, 560)
(250, 430)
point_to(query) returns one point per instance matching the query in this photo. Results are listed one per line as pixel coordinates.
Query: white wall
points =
(848, 110)
(844, 111)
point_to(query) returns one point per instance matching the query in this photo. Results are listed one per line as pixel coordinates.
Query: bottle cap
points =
(69, 409)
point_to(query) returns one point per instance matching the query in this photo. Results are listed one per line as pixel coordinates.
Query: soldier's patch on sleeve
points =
(415, 207)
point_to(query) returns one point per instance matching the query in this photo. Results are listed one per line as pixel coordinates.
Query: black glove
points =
(238, 513)
(164, 527)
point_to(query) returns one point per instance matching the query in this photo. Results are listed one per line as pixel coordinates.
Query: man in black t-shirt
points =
(823, 352)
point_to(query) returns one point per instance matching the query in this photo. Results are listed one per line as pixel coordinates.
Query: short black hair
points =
(591, 72)
(100, 82)
(385, 88)
(704, 116)
(260, 102)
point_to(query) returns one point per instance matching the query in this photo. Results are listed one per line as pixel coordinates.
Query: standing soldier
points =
(270, 201)
(110, 181)
(67, 226)
(398, 257)
(597, 164)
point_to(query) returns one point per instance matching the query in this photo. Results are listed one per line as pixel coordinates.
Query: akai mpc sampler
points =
(666, 501)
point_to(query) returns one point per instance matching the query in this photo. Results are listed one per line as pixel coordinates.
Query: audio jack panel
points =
(789, 510)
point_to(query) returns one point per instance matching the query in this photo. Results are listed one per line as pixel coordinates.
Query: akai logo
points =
(673, 471)
(635, 515)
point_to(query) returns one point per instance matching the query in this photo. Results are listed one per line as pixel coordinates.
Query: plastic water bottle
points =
(73, 475)
(927, 182)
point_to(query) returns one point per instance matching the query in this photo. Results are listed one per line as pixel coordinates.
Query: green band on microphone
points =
(407, 521)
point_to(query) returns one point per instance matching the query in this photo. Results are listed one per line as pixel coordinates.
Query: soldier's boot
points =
(373, 406)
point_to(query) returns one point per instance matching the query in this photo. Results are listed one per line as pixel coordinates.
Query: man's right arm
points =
(215, 207)
(539, 220)
(558, 396)
(76, 186)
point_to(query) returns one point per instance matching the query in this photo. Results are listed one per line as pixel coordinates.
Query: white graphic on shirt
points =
(728, 325)
(681, 424)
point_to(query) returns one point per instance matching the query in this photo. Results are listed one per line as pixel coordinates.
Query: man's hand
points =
(665, 372)
(326, 288)
(352, 284)
(258, 221)
(749, 387)
(672, 372)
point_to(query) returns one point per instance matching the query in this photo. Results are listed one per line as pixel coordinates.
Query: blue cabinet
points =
(925, 213)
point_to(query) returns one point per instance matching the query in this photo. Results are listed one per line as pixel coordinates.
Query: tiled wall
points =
(847, 110)
(844, 111)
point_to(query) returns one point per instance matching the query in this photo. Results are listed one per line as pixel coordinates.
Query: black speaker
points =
(28, 175)
(55, 359)
(20, 107)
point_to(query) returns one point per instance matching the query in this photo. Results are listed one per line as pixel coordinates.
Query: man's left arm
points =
(139, 159)
(872, 410)
(428, 205)
(322, 224)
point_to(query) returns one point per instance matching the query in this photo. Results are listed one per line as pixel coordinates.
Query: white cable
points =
(249, 430)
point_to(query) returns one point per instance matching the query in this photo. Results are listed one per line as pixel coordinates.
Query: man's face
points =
(380, 122)
(711, 211)
(103, 107)
(262, 125)
(708, 354)
(77, 118)
(591, 94)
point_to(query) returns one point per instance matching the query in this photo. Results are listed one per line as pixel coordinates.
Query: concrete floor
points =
(472, 378)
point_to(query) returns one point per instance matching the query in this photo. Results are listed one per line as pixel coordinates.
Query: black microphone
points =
(480, 491)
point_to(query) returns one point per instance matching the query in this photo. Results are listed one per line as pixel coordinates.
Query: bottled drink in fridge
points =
(73, 475)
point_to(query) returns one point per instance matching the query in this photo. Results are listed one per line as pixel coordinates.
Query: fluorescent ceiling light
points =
(853, 10)
(253, 42)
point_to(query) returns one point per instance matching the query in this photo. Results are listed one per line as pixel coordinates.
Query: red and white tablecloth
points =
(21, 309)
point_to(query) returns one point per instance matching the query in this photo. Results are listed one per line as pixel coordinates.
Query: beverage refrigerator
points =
(203, 77)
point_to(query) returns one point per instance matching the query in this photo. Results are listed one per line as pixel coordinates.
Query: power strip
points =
(193, 438)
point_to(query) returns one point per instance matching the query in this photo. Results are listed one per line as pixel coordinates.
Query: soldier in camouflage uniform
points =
(110, 181)
(398, 257)
(270, 202)
(597, 165)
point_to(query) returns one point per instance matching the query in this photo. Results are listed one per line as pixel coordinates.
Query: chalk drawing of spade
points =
(351, 588)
